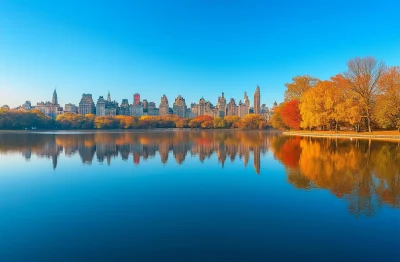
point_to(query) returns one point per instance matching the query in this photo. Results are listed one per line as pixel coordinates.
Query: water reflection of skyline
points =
(141, 146)
(365, 173)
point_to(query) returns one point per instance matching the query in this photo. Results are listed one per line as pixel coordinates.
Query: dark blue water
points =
(197, 196)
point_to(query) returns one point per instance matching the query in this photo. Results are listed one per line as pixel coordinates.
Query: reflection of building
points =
(180, 107)
(164, 107)
(256, 156)
(50, 109)
(71, 108)
(86, 105)
(257, 101)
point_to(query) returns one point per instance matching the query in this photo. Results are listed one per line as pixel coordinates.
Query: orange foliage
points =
(290, 114)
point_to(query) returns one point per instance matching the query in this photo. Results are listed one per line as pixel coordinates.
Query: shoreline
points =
(152, 130)
(339, 135)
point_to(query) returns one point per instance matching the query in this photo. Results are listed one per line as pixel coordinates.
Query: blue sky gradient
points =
(193, 48)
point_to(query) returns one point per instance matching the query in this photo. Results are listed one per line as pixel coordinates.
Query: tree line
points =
(17, 120)
(365, 97)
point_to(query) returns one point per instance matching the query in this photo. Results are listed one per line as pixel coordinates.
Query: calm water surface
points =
(197, 196)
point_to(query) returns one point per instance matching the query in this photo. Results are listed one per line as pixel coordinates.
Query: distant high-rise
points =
(232, 110)
(71, 108)
(27, 105)
(221, 106)
(101, 106)
(145, 104)
(106, 107)
(55, 98)
(86, 105)
(136, 99)
(257, 101)
(108, 97)
(180, 107)
(124, 108)
(50, 109)
(244, 108)
(164, 107)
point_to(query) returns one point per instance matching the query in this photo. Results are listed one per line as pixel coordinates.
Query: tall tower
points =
(257, 100)
(164, 107)
(136, 99)
(55, 99)
(108, 97)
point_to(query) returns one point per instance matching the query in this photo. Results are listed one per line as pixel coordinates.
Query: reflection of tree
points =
(365, 173)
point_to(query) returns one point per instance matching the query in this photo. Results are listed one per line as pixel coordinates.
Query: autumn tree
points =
(106, 122)
(182, 123)
(276, 119)
(219, 122)
(250, 121)
(231, 121)
(290, 114)
(387, 110)
(363, 76)
(298, 86)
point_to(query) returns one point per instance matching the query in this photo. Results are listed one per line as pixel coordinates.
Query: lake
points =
(197, 196)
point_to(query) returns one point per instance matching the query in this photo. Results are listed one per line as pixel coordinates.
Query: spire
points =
(55, 98)
(109, 96)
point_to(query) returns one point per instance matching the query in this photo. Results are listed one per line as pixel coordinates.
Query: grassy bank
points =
(380, 135)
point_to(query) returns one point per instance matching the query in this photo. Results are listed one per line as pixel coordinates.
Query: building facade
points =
(136, 99)
(244, 107)
(27, 105)
(164, 106)
(71, 108)
(136, 110)
(221, 106)
(179, 107)
(86, 105)
(106, 107)
(51, 109)
(124, 109)
(232, 110)
(152, 110)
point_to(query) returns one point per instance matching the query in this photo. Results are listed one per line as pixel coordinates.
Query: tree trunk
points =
(369, 124)
(337, 125)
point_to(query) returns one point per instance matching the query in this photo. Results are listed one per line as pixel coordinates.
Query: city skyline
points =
(109, 107)
(177, 47)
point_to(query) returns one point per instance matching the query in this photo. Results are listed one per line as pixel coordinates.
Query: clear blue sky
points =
(193, 48)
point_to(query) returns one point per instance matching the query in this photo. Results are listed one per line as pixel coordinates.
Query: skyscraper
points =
(55, 99)
(257, 101)
(232, 110)
(124, 108)
(136, 99)
(86, 105)
(221, 106)
(180, 107)
(50, 109)
(164, 107)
